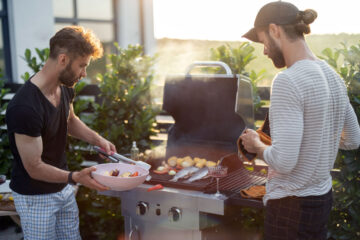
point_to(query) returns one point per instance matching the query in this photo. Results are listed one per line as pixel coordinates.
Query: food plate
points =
(119, 183)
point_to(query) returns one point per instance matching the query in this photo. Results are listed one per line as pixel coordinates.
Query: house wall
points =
(149, 35)
(31, 25)
(129, 24)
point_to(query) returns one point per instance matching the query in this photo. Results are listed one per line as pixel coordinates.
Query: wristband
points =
(70, 179)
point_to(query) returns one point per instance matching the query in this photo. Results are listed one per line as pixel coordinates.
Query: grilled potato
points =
(188, 158)
(201, 163)
(172, 161)
(179, 161)
(210, 164)
(188, 162)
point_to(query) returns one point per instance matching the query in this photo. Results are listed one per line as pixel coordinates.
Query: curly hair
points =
(75, 41)
(301, 25)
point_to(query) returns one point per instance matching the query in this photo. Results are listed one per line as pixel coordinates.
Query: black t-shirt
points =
(32, 114)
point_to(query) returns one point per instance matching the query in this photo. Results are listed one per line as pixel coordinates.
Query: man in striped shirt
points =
(310, 118)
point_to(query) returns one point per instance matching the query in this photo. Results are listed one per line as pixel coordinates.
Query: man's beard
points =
(67, 77)
(275, 54)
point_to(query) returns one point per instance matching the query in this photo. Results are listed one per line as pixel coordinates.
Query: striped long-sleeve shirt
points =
(310, 118)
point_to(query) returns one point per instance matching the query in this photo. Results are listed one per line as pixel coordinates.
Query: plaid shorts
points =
(298, 217)
(49, 216)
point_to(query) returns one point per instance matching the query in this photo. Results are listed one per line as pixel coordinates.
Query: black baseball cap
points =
(280, 13)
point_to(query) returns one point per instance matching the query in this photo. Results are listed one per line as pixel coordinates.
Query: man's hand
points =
(108, 147)
(84, 177)
(249, 139)
(252, 143)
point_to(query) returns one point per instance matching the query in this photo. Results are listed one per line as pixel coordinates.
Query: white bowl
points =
(119, 183)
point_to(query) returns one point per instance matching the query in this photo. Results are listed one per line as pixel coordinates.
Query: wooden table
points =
(6, 192)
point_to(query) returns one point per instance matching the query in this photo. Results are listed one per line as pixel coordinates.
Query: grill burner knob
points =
(158, 212)
(174, 214)
(142, 208)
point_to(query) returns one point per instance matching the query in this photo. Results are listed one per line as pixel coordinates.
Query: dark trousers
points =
(298, 218)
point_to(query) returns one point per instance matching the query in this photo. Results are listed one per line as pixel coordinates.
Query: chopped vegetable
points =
(114, 173)
(162, 170)
(156, 187)
(172, 172)
(126, 174)
(135, 174)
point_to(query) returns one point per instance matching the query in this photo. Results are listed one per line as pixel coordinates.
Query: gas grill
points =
(210, 112)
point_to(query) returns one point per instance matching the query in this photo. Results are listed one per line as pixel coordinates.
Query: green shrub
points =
(77, 150)
(126, 113)
(100, 216)
(345, 218)
(5, 153)
(237, 59)
(32, 61)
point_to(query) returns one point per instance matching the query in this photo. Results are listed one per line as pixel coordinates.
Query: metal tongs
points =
(115, 157)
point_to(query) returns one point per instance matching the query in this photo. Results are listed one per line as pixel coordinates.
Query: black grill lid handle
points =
(209, 64)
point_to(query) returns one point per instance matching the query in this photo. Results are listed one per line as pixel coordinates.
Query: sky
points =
(230, 19)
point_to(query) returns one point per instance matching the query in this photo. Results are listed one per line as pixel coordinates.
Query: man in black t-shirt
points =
(38, 118)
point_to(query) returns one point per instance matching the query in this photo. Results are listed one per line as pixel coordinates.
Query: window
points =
(97, 15)
(5, 60)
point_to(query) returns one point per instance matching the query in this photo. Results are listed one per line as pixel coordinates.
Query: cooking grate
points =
(237, 180)
(232, 183)
(199, 185)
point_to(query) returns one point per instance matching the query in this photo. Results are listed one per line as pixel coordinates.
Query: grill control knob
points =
(142, 208)
(174, 214)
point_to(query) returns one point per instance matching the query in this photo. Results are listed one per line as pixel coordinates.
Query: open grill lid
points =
(203, 107)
